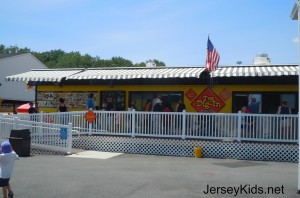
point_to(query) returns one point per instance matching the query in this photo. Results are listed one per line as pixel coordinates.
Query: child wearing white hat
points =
(7, 162)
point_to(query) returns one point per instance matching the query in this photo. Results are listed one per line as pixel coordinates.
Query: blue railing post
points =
(239, 126)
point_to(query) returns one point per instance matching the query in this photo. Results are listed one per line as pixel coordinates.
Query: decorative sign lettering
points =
(90, 116)
(191, 94)
(225, 94)
(208, 101)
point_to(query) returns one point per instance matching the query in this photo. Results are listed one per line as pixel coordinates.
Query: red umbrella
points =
(23, 108)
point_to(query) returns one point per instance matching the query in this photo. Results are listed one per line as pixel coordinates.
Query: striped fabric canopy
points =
(252, 71)
(56, 75)
(133, 73)
(42, 75)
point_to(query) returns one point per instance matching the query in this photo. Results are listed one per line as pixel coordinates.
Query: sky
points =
(172, 31)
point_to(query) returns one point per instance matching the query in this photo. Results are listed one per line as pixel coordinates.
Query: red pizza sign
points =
(208, 101)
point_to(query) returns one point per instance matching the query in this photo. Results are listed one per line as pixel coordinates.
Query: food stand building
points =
(225, 90)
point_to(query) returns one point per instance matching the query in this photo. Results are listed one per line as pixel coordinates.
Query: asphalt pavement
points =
(148, 176)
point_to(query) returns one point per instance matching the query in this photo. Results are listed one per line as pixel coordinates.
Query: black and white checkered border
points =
(177, 147)
(44, 152)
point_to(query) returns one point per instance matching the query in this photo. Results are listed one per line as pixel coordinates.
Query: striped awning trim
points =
(56, 75)
(254, 71)
(133, 73)
(42, 75)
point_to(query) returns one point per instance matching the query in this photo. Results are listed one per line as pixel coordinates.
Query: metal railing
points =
(215, 126)
(49, 136)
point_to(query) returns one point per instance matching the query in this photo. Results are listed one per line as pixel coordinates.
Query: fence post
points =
(239, 126)
(41, 117)
(90, 128)
(133, 122)
(183, 123)
(1, 129)
(298, 121)
(15, 123)
(69, 143)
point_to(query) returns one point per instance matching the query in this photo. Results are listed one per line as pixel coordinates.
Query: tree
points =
(2, 49)
(159, 63)
(61, 59)
(121, 62)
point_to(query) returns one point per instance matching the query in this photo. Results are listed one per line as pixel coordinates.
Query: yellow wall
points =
(197, 88)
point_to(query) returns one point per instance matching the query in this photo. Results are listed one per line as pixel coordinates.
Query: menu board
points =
(73, 99)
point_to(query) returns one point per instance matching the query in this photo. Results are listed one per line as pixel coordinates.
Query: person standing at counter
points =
(90, 102)
(62, 106)
(110, 105)
(31, 109)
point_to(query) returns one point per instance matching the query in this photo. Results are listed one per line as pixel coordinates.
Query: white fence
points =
(50, 136)
(217, 126)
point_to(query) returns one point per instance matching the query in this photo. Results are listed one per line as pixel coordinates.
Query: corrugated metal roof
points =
(133, 73)
(55, 75)
(42, 75)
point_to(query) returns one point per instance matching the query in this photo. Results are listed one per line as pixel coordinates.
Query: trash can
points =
(20, 141)
(198, 152)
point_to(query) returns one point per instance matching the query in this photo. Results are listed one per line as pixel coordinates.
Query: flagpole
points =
(211, 81)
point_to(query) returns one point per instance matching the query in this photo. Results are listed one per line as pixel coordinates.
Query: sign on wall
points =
(73, 99)
(208, 101)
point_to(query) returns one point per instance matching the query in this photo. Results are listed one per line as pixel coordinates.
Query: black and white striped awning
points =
(253, 71)
(46, 75)
(56, 75)
(134, 73)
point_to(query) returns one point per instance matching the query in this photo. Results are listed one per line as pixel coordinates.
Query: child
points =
(7, 162)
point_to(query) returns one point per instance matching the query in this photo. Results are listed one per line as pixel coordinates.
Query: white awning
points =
(133, 73)
(46, 75)
(56, 75)
(255, 71)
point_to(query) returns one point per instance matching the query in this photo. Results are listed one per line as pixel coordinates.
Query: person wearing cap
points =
(7, 162)
(158, 106)
(155, 100)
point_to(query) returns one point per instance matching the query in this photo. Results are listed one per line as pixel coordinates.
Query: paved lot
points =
(147, 176)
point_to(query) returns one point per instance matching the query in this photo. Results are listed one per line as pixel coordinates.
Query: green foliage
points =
(159, 63)
(60, 59)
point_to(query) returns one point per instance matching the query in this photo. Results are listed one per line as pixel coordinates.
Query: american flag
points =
(213, 57)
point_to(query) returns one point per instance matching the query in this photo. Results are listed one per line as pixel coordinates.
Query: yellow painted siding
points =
(184, 88)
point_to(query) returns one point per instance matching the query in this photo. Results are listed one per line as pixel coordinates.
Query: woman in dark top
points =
(62, 106)
(31, 108)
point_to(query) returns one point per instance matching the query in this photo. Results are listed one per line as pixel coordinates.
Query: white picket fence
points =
(49, 136)
(215, 126)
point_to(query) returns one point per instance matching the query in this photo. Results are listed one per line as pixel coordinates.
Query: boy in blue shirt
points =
(7, 162)
(90, 102)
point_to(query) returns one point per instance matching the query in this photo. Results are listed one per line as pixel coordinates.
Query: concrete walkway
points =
(147, 176)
